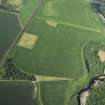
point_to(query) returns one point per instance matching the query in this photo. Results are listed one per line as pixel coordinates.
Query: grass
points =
(9, 29)
(16, 93)
(53, 93)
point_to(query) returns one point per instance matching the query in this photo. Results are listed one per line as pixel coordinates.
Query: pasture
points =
(59, 50)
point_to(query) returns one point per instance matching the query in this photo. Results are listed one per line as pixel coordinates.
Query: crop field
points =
(61, 34)
(53, 93)
(16, 93)
(9, 30)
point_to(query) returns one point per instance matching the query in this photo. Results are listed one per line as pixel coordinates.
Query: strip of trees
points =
(14, 73)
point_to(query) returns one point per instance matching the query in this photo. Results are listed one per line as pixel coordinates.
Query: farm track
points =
(39, 99)
(49, 78)
(75, 26)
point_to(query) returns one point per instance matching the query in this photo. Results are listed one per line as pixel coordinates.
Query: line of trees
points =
(14, 73)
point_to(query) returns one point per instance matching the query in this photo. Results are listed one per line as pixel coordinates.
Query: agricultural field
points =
(16, 93)
(9, 31)
(59, 92)
(58, 50)
(53, 92)
(53, 48)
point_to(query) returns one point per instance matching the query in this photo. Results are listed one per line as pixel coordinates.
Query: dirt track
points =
(84, 93)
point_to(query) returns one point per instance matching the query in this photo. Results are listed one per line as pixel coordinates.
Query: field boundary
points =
(74, 25)
(50, 78)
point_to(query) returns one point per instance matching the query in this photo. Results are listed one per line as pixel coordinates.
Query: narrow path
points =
(35, 89)
(20, 20)
(75, 25)
(49, 78)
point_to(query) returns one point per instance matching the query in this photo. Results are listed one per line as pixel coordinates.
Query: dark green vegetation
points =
(9, 30)
(54, 93)
(97, 96)
(11, 72)
(16, 93)
(92, 60)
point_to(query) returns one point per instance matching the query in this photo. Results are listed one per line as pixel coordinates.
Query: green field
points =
(63, 28)
(16, 93)
(58, 51)
(9, 30)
